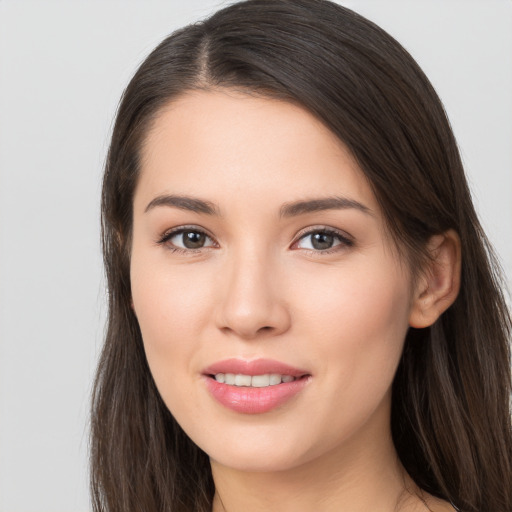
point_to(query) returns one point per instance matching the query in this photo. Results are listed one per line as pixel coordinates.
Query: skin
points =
(259, 289)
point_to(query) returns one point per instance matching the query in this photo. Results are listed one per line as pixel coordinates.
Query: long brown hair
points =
(451, 420)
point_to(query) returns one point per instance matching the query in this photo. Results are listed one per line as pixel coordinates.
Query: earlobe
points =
(438, 287)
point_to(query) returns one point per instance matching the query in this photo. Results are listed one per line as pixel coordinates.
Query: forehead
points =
(221, 144)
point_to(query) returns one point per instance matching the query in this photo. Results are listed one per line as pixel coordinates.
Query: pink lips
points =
(249, 400)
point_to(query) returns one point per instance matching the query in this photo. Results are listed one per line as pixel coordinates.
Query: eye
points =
(186, 239)
(322, 240)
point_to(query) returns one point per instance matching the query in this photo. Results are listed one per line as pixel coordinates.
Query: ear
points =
(438, 286)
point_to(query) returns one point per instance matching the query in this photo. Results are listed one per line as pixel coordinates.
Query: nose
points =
(252, 303)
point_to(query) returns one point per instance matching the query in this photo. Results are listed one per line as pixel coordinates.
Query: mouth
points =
(254, 387)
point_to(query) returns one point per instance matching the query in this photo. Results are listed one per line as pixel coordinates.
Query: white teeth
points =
(260, 381)
(256, 381)
(275, 378)
(242, 380)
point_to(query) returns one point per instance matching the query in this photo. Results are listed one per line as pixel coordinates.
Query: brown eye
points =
(187, 239)
(193, 239)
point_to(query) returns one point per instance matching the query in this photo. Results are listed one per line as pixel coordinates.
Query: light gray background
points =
(63, 66)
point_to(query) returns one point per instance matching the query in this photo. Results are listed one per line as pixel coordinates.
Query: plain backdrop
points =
(63, 66)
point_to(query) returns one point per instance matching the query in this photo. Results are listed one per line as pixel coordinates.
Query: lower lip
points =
(249, 400)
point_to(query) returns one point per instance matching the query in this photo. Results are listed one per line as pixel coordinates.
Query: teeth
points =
(260, 381)
(242, 380)
(275, 378)
(255, 381)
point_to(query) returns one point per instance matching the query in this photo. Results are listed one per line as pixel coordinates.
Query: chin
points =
(264, 453)
(252, 463)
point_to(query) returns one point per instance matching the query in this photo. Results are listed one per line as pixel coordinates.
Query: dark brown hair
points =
(451, 420)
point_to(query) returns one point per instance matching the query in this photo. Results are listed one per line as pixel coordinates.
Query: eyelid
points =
(170, 233)
(346, 239)
(323, 227)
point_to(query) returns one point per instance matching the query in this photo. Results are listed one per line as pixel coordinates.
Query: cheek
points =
(353, 325)
(167, 313)
(358, 319)
(358, 298)
(171, 309)
(369, 306)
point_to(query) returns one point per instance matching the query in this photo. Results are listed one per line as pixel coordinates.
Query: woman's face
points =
(260, 256)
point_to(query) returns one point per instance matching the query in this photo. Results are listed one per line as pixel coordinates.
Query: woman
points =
(304, 313)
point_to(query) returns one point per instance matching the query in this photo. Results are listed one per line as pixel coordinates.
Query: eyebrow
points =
(184, 203)
(315, 205)
(287, 210)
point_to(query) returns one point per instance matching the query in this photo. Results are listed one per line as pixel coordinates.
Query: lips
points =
(254, 387)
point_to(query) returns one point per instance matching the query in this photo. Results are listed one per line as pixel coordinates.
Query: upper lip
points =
(253, 367)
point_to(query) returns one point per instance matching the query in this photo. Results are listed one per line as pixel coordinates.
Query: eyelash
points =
(344, 239)
(177, 231)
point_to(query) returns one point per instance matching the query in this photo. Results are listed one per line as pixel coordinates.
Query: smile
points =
(254, 387)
